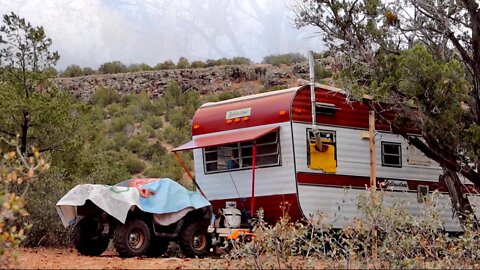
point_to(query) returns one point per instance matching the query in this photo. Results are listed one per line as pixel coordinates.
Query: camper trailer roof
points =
(248, 111)
(267, 94)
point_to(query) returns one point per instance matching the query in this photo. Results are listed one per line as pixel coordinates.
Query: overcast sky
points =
(92, 32)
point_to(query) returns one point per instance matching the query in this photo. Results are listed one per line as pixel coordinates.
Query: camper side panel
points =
(275, 186)
(401, 169)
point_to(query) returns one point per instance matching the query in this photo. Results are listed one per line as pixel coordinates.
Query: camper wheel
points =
(194, 239)
(132, 238)
(88, 237)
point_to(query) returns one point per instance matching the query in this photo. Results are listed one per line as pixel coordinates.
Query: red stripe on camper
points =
(274, 206)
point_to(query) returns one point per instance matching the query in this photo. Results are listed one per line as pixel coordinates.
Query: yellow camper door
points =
(324, 156)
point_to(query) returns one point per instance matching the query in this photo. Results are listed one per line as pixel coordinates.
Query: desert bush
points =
(176, 136)
(322, 73)
(72, 71)
(228, 95)
(385, 236)
(273, 88)
(17, 172)
(177, 119)
(198, 64)
(112, 68)
(119, 124)
(105, 96)
(134, 164)
(285, 59)
(47, 229)
(154, 121)
(166, 166)
(168, 64)
(136, 145)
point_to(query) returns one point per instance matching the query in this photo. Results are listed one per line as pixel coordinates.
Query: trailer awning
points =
(226, 138)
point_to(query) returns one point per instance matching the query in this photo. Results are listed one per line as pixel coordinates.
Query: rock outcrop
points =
(245, 78)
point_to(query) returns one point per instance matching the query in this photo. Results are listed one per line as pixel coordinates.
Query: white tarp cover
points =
(170, 201)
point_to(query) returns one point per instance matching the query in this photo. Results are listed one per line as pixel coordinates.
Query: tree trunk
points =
(460, 202)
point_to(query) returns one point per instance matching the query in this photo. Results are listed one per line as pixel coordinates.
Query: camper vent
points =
(325, 108)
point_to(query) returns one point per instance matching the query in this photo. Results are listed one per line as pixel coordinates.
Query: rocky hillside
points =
(246, 79)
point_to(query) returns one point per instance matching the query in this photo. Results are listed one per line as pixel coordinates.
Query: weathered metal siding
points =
(353, 155)
(268, 181)
(341, 205)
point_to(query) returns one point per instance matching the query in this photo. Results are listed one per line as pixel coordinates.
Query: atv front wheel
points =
(194, 240)
(88, 237)
(132, 238)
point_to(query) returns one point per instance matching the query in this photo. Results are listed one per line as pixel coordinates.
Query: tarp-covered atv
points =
(141, 216)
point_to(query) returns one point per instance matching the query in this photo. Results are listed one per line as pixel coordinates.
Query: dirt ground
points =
(43, 258)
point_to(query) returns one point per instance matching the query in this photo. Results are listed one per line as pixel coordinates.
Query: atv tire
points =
(132, 238)
(194, 240)
(157, 247)
(88, 237)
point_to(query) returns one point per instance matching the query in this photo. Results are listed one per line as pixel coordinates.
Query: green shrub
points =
(47, 229)
(168, 64)
(72, 71)
(198, 64)
(134, 164)
(158, 151)
(112, 68)
(383, 236)
(183, 63)
(166, 166)
(177, 119)
(229, 95)
(159, 107)
(147, 129)
(285, 59)
(105, 96)
(118, 141)
(154, 121)
(176, 136)
(273, 88)
(172, 95)
(119, 124)
(322, 73)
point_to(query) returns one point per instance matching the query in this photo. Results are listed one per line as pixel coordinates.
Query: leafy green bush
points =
(198, 64)
(72, 71)
(168, 64)
(273, 88)
(105, 96)
(183, 63)
(285, 59)
(154, 121)
(322, 73)
(383, 237)
(137, 144)
(177, 119)
(176, 136)
(16, 176)
(112, 68)
(134, 164)
(119, 124)
(166, 166)
(229, 95)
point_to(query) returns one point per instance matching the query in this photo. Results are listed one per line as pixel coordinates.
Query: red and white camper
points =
(260, 152)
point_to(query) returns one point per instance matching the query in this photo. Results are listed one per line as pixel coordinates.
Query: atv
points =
(141, 216)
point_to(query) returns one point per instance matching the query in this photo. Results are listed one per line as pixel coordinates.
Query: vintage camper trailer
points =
(260, 152)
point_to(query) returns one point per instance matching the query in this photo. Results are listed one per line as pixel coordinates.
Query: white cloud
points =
(91, 32)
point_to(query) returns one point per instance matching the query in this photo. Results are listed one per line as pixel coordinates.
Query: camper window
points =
(391, 154)
(238, 156)
(325, 108)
